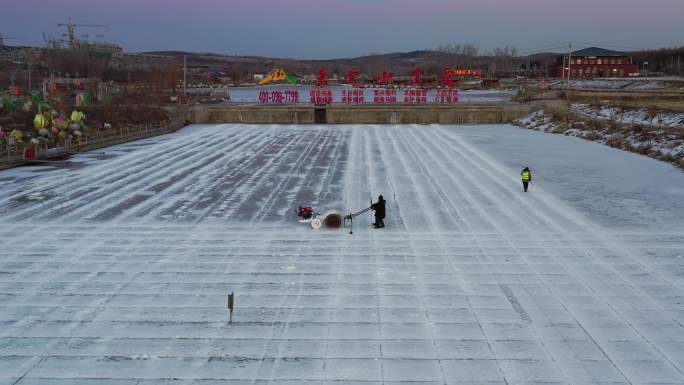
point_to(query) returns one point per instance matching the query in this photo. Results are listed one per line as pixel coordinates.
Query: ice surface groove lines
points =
(117, 271)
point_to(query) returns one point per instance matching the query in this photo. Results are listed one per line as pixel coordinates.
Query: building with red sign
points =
(594, 62)
(461, 73)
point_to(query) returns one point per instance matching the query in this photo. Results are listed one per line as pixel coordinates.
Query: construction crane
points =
(71, 30)
(3, 39)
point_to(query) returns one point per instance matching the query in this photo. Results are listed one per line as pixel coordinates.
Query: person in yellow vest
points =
(526, 175)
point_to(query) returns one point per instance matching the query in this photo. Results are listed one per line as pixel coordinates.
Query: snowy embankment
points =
(613, 84)
(625, 130)
(115, 268)
(632, 116)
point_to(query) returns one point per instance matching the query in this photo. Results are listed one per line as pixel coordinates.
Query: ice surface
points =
(116, 271)
(615, 188)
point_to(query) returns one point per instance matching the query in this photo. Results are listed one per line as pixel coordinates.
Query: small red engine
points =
(305, 212)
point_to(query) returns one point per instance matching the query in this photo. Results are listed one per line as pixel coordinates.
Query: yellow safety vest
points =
(526, 176)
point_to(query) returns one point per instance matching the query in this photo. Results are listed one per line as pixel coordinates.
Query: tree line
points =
(667, 61)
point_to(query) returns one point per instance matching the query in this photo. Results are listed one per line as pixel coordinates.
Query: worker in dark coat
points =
(379, 208)
(526, 176)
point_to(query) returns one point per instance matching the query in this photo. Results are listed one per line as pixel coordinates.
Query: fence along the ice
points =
(14, 154)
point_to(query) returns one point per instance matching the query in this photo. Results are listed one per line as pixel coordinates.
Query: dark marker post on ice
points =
(231, 305)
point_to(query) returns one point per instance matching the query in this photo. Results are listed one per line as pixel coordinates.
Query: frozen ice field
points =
(114, 268)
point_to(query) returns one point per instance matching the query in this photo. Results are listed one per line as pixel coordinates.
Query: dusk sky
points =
(343, 28)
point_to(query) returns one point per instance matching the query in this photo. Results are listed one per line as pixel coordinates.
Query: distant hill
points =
(401, 63)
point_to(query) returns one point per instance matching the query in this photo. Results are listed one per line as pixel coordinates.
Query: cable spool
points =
(332, 219)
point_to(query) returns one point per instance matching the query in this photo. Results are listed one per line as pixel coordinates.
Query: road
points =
(115, 268)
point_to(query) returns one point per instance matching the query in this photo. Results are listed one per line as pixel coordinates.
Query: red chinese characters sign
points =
(383, 96)
(385, 78)
(322, 78)
(447, 79)
(465, 72)
(352, 77)
(355, 96)
(417, 77)
(415, 96)
(446, 96)
(321, 96)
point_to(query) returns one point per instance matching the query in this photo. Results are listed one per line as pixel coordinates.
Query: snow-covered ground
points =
(616, 83)
(114, 268)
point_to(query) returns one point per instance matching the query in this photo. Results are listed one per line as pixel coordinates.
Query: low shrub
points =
(613, 124)
(559, 115)
(616, 142)
(667, 157)
(593, 136)
(644, 150)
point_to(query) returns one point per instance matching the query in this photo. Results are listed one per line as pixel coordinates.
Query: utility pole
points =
(563, 70)
(569, 60)
(185, 74)
(29, 75)
(529, 70)
(678, 67)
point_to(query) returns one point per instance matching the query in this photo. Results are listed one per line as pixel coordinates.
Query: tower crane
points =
(71, 30)
(3, 39)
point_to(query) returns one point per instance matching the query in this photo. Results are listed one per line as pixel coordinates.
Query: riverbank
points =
(662, 142)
